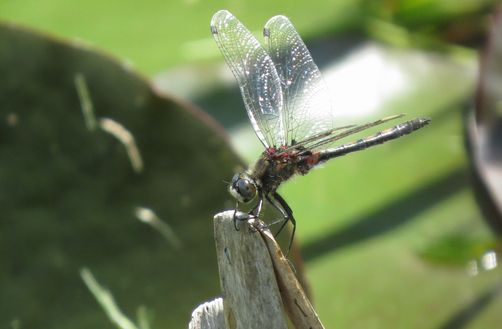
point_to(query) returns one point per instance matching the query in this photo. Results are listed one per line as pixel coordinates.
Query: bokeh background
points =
(393, 237)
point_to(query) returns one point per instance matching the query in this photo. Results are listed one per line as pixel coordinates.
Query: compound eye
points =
(246, 189)
(235, 178)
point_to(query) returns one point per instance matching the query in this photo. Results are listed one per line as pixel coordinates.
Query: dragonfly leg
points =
(280, 204)
(290, 217)
(239, 216)
(255, 212)
(235, 217)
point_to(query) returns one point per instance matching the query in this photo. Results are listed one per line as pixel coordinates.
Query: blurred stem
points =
(85, 101)
(105, 299)
(142, 315)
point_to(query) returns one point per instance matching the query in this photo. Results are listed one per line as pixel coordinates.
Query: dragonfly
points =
(288, 104)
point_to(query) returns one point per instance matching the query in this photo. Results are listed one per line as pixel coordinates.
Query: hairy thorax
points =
(276, 166)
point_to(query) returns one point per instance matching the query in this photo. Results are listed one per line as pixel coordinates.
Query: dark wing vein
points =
(328, 137)
(256, 75)
(307, 105)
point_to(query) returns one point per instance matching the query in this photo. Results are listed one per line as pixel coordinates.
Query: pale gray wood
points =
(208, 316)
(250, 292)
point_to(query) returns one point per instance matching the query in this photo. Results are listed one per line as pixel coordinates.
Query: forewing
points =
(256, 75)
(307, 104)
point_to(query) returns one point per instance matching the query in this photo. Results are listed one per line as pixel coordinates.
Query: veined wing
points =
(256, 75)
(326, 138)
(307, 105)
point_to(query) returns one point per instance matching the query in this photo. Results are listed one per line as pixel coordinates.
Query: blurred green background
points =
(391, 237)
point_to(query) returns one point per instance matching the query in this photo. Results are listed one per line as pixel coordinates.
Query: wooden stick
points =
(256, 279)
(251, 296)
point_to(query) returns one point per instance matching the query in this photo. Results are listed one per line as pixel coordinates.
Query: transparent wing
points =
(307, 105)
(256, 75)
(325, 138)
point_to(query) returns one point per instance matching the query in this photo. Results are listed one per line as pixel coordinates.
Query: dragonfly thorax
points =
(243, 188)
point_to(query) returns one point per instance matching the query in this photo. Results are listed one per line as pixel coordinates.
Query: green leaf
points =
(69, 194)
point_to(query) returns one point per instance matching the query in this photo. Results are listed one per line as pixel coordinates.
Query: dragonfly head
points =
(243, 188)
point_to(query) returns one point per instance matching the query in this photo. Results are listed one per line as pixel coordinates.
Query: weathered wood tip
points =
(256, 278)
(247, 278)
(208, 315)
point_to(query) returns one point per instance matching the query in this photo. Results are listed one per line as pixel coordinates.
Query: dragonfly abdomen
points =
(379, 138)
